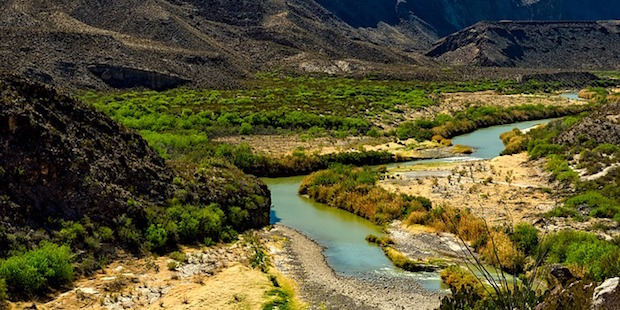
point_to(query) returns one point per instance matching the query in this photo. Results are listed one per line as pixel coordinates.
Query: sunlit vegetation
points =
(478, 117)
(355, 190)
(37, 271)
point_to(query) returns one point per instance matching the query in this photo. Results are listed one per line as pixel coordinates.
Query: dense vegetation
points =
(478, 117)
(355, 190)
(182, 122)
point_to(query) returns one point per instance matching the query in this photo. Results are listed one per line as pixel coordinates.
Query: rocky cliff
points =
(569, 45)
(448, 16)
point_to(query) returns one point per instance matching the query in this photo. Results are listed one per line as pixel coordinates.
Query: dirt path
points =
(303, 260)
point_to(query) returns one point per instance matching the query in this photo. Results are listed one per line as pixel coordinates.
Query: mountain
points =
(161, 44)
(448, 16)
(569, 45)
(60, 160)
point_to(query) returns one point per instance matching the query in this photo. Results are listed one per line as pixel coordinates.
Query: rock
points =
(532, 43)
(125, 77)
(607, 295)
(561, 274)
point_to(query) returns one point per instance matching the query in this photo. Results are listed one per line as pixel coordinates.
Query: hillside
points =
(161, 44)
(71, 176)
(568, 45)
(448, 16)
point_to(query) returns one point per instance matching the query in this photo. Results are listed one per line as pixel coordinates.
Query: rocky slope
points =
(448, 16)
(602, 126)
(160, 44)
(569, 45)
(61, 160)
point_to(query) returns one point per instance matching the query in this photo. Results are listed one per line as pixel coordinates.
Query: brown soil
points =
(212, 278)
(514, 193)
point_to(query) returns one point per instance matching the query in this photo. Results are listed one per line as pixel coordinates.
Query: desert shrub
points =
(599, 205)
(514, 141)
(197, 223)
(380, 241)
(417, 218)
(461, 280)
(501, 251)
(156, 237)
(543, 149)
(458, 221)
(583, 253)
(525, 237)
(354, 190)
(36, 271)
(178, 256)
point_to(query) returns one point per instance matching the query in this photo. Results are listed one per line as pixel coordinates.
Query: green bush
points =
(599, 259)
(3, 291)
(599, 205)
(36, 271)
(156, 237)
(525, 236)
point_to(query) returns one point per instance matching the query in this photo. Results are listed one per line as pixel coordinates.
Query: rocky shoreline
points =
(298, 257)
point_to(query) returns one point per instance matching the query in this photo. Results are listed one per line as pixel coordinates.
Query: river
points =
(342, 234)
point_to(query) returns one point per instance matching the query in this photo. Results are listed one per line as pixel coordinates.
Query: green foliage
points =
(380, 241)
(525, 237)
(36, 271)
(178, 256)
(196, 223)
(3, 291)
(156, 237)
(598, 259)
(600, 205)
(355, 190)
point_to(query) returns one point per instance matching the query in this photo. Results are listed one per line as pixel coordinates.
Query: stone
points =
(607, 295)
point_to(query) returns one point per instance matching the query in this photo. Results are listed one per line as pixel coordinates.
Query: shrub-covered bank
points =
(355, 190)
(479, 117)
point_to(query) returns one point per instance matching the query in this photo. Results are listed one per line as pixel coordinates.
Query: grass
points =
(403, 262)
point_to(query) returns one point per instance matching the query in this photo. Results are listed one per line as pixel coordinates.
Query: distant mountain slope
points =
(448, 16)
(570, 45)
(167, 43)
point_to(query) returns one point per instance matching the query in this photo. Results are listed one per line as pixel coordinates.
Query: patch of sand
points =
(236, 287)
(503, 189)
(212, 278)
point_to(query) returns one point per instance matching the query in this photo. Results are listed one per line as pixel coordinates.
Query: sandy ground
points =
(302, 259)
(503, 189)
(213, 278)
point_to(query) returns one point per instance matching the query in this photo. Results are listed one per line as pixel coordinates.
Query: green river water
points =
(342, 233)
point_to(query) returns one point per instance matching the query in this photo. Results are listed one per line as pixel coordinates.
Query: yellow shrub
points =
(509, 257)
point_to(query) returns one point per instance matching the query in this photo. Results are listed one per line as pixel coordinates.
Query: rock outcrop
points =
(121, 77)
(602, 126)
(568, 45)
(61, 160)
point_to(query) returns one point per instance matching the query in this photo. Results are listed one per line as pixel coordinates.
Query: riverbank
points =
(296, 256)
(502, 189)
